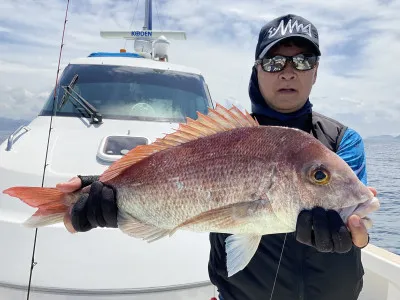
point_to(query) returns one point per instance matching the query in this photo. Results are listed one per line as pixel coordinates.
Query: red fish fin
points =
(135, 228)
(217, 120)
(135, 155)
(232, 118)
(50, 203)
(224, 217)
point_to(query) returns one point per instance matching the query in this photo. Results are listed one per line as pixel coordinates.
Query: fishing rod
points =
(33, 263)
(279, 264)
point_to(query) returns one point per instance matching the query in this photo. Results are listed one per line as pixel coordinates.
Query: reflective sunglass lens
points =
(300, 62)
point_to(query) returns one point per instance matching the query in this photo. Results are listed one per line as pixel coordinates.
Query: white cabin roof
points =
(134, 62)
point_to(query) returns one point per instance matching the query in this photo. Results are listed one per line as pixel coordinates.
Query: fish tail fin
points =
(51, 204)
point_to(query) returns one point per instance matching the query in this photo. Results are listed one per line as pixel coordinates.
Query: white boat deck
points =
(382, 274)
(381, 282)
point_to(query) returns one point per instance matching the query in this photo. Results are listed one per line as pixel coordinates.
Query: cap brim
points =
(266, 49)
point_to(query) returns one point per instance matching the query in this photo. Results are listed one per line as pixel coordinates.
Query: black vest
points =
(304, 273)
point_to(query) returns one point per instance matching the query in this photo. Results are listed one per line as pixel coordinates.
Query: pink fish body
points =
(221, 173)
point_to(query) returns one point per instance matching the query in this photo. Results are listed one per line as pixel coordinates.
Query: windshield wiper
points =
(95, 116)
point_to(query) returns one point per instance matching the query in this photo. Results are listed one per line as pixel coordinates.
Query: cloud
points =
(357, 81)
(20, 102)
(4, 29)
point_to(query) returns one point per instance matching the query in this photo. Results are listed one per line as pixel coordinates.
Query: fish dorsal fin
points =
(217, 120)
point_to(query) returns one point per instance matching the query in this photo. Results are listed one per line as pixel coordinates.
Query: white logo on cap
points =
(299, 28)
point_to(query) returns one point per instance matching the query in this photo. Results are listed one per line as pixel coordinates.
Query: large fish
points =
(220, 173)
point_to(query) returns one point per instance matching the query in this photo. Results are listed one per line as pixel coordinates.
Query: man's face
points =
(288, 90)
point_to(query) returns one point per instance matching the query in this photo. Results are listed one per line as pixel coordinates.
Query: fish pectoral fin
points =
(240, 249)
(135, 228)
(228, 216)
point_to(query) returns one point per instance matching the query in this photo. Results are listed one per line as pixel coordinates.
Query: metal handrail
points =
(81, 292)
(10, 140)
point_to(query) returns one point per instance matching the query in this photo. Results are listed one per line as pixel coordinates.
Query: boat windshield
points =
(132, 93)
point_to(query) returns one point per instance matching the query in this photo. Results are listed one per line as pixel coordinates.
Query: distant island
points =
(384, 137)
(7, 124)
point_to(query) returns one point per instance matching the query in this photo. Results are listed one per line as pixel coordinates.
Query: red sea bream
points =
(220, 173)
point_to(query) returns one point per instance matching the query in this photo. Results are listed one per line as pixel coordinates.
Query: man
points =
(322, 259)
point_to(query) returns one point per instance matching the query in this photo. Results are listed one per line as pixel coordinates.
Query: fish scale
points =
(226, 182)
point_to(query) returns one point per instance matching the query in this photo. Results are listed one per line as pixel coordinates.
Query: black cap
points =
(286, 27)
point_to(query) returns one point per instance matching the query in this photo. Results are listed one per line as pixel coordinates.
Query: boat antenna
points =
(148, 42)
(133, 19)
(148, 16)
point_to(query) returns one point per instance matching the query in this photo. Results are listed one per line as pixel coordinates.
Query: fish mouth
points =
(362, 210)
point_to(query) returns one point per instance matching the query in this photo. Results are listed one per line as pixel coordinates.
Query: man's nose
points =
(288, 73)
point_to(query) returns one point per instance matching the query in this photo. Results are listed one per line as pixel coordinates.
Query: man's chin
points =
(287, 105)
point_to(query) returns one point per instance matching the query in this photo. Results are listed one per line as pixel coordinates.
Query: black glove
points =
(323, 230)
(96, 209)
(88, 180)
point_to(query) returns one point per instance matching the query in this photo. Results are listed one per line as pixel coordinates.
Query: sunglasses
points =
(301, 62)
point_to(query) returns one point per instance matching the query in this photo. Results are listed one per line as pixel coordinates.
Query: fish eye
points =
(320, 176)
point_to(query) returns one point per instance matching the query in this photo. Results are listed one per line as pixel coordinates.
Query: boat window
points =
(124, 92)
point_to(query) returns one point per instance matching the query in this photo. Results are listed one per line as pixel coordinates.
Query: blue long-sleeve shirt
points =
(351, 150)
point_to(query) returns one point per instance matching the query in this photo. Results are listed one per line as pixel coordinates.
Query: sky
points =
(357, 83)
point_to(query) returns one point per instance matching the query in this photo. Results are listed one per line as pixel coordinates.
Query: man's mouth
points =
(287, 90)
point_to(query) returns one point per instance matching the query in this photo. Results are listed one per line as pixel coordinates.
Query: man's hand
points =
(96, 208)
(357, 228)
(326, 231)
(70, 186)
